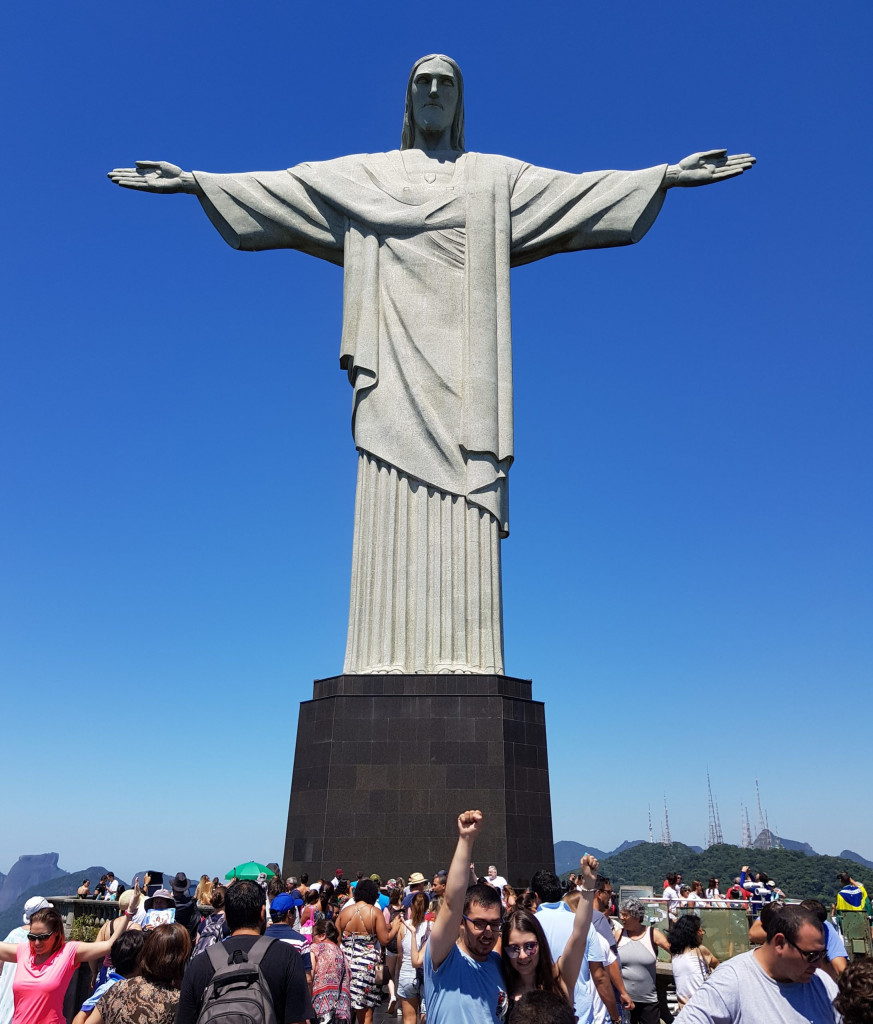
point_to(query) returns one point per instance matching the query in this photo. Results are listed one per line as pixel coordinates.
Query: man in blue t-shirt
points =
(463, 982)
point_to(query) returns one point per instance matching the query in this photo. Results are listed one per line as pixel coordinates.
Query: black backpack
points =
(238, 993)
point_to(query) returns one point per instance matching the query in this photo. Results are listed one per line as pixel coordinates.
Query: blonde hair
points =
(203, 892)
(125, 899)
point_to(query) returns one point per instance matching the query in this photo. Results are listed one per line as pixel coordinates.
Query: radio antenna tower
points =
(746, 827)
(763, 827)
(667, 838)
(651, 833)
(715, 835)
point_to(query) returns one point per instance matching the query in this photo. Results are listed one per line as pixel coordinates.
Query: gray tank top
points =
(638, 959)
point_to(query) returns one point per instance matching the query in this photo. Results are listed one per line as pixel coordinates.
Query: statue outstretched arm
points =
(706, 168)
(155, 176)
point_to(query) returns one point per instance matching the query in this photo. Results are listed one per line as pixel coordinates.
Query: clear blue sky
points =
(688, 580)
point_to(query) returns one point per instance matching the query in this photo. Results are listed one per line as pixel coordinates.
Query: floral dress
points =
(331, 982)
(137, 1001)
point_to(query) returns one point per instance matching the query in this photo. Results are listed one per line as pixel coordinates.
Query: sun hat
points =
(163, 894)
(416, 878)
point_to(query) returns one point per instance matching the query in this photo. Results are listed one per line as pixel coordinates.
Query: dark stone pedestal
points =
(385, 763)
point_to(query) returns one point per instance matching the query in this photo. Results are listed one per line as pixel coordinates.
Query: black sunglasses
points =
(811, 956)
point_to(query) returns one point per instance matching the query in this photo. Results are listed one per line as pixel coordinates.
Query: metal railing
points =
(726, 922)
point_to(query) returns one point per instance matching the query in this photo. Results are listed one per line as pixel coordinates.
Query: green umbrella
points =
(249, 871)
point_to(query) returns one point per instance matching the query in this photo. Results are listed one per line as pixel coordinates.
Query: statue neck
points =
(434, 142)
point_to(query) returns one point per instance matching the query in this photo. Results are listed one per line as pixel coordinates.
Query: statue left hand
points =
(707, 167)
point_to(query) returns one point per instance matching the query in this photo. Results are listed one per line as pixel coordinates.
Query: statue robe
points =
(427, 347)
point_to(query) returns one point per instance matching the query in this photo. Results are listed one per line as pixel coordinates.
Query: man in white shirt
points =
(556, 918)
(671, 893)
(498, 881)
(777, 983)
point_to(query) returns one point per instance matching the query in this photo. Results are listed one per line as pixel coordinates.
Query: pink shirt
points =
(39, 991)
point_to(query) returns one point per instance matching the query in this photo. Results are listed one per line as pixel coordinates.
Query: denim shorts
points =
(408, 989)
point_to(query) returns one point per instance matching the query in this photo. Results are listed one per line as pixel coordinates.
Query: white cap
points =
(33, 904)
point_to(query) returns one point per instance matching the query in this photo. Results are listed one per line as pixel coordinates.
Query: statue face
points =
(434, 97)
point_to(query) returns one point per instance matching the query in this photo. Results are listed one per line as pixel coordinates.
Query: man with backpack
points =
(256, 979)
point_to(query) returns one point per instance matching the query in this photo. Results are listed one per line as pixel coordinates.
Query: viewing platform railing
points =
(83, 918)
(726, 923)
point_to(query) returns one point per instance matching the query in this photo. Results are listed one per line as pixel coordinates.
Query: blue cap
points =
(281, 904)
(285, 902)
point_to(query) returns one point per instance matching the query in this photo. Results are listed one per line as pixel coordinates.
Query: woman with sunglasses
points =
(46, 963)
(527, 961)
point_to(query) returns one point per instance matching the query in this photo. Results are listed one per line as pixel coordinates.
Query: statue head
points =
(457, 127)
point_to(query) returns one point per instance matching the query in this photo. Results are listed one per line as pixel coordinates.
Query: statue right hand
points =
(154, 176)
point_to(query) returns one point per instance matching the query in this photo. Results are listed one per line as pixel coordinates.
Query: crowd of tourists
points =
(451, 947)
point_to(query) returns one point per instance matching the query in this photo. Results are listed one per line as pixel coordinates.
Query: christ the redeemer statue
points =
(426, 235)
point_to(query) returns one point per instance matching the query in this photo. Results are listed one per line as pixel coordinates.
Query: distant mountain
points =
(768, 840)
(568, 854)
(30, 869)
(849, 855)
(628, 844)
(64, 884)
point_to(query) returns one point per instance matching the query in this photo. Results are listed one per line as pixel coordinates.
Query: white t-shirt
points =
(741, 991)
(498, 881)
(557, 920)
(601, 1014)
(673, 896)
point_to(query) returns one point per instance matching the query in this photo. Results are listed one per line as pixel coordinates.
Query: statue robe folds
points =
(427, 347)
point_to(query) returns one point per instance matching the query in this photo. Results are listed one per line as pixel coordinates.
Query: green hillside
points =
(798, 874)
